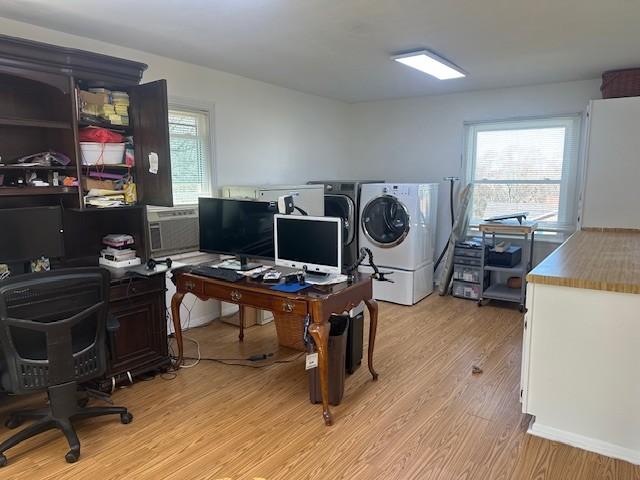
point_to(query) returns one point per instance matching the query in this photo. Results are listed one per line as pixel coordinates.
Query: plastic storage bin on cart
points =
(471, 291)
(467, 270)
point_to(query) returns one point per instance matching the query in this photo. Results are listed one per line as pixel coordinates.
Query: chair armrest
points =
(113, 324)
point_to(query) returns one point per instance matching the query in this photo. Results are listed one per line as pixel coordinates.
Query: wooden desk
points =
(320, 302)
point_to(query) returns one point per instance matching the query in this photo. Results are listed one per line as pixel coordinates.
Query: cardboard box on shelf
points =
(92, 183)
(94, 98)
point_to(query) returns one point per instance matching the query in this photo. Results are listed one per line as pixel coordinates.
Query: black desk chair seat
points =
(52, 337)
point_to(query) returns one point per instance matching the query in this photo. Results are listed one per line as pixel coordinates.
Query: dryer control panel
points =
(398, 190)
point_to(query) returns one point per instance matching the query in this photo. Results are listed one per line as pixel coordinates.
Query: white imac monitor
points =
(313, 244)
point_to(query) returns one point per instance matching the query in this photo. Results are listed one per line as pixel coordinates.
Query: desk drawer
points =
(192, 285)
(249, 298)
(136, 287)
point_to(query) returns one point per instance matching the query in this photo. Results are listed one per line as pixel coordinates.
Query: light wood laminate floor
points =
(427, 417)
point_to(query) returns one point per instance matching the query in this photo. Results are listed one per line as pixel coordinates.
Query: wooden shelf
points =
(32, 122)
(122, 129)
(23, 191)
(107, 209)
(19, 167)
(119, 166)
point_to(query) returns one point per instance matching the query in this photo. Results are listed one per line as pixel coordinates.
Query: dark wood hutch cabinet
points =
(39, 112)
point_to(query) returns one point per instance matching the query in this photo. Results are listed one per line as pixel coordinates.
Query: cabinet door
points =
(610, 195)
(141, 341)
(150, 121)
(526, 347)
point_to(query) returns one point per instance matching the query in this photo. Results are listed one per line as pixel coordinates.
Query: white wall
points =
(269, 134)
(421, 139)
(264, 133)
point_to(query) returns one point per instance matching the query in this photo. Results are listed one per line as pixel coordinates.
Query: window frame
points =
(208, 109)
(571, 168)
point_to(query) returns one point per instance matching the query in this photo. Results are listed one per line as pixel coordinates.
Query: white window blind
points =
(525, 166)
(189, 142)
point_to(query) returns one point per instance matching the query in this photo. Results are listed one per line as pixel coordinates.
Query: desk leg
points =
(176, 301)
(320, 334)
(372, 306)
(241, 323)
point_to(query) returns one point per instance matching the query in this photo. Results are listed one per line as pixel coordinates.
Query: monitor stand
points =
(238, 264)
(316, 277)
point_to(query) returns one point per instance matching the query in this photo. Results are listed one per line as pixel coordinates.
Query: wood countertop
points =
(597, 260)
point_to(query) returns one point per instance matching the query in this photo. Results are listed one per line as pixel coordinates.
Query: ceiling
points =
(341, 48)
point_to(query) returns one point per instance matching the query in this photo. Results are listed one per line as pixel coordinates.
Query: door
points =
(150, 121)
(343, 207)
(141, 341)
(385, 221)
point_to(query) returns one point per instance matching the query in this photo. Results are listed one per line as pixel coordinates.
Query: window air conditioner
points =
(173, 231)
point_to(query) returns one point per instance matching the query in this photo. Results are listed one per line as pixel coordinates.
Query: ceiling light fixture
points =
(430, 63)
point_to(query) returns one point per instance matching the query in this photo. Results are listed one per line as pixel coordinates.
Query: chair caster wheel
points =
(13, 422)
(3, 460)
(126, 418)
(521, 308)
(72, 456)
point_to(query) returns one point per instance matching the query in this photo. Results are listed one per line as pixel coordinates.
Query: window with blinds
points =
(189, 142)
(525, 166)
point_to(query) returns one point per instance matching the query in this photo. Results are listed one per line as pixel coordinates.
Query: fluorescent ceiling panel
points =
(431, 64)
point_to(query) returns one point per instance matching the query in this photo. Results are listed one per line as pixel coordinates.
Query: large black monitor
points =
(237, 227)
(30, 233)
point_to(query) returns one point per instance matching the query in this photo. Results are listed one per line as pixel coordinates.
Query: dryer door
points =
(343, 207)
(385, 221)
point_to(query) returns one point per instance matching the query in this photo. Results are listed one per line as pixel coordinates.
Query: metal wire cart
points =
(499, 290)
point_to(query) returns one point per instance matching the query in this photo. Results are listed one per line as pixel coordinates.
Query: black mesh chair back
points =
(53, 338)
(52, 328)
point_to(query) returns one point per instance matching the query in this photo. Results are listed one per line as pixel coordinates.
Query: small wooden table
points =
(320, 302)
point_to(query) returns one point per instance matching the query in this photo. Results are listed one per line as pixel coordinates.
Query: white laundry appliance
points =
(398, 225)
(308, 197)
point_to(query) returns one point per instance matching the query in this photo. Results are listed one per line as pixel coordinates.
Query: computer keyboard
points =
(217, 273)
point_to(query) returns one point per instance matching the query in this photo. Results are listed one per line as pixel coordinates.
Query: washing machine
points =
(342, 199)
(398, 225)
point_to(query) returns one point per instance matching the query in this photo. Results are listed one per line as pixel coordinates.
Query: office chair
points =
(52, 337)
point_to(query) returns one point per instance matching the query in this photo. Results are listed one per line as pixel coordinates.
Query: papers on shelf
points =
(104, 198)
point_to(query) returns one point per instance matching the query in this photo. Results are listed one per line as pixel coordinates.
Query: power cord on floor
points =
(197, 360)
(227, 361)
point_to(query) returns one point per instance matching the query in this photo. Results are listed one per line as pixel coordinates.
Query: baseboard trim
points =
(194, 322)
(585, 443)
